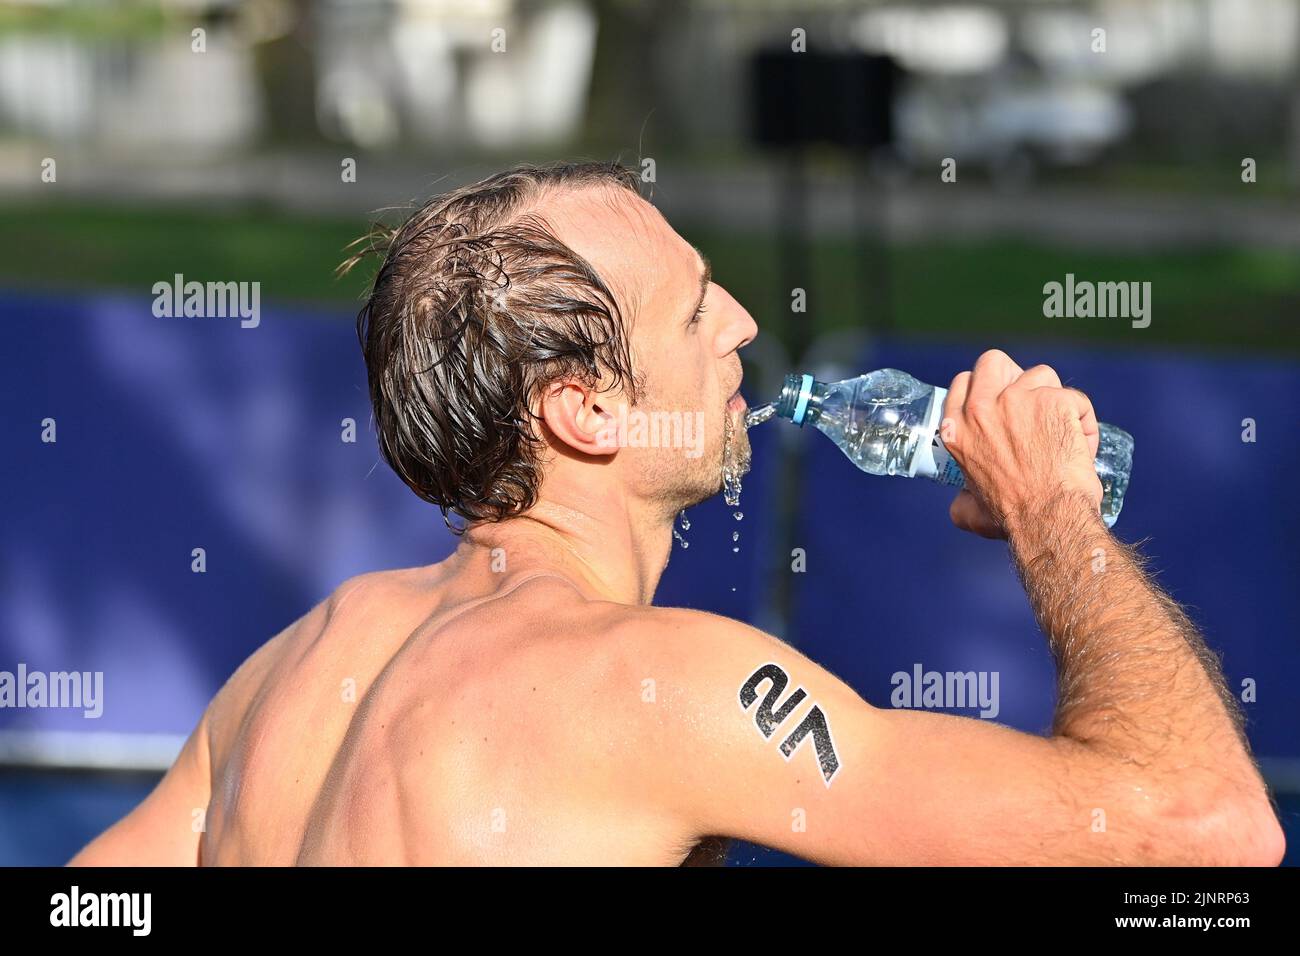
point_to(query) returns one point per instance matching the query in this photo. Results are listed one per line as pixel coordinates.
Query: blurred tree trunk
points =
(1293, 153)
(630, 109)
(286, 71)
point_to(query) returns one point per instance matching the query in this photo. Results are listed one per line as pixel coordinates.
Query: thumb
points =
(968, 513)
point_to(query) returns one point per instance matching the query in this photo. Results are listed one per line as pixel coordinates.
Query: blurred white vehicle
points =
(1008, 128)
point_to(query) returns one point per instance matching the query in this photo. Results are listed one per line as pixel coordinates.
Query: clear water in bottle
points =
(888, 424)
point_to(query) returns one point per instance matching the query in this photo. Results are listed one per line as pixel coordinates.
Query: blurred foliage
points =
(88, 21)
(1228, 298)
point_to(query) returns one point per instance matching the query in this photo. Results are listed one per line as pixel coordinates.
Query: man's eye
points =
(696, 317)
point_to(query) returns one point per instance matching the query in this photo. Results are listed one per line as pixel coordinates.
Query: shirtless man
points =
(523, 702)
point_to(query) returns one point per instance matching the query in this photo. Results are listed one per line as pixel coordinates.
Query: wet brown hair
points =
(475, 309)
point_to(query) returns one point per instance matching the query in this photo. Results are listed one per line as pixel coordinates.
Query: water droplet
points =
(686, 522)
(732, 472)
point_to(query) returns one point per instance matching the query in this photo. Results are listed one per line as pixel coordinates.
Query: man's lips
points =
(737, 402)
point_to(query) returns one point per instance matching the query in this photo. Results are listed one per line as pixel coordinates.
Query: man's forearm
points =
(1136, 679)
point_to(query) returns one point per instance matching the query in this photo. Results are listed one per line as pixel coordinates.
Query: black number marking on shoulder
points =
(767, 719)
(815, 723)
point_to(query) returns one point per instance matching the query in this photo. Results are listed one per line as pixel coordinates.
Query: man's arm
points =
(1136, 680)
(901, 787)
(1146, 763)
(165, 829)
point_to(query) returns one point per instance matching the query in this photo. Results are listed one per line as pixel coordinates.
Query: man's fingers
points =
(1080, 408)
(956, 399)
(1088, 420)
(993, 372)
(1038, 377)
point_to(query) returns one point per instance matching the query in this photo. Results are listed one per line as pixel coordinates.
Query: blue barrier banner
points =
(177, 434)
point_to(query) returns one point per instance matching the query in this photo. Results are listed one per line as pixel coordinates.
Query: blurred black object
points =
(844, 99)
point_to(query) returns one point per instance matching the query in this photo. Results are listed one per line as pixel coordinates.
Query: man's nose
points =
(739, 330)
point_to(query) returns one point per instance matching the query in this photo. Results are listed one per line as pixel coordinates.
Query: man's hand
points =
(1020, 438)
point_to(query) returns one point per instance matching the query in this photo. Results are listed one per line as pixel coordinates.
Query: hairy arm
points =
(1136, 681)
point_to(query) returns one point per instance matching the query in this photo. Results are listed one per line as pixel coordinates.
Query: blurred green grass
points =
(1208, 299)
(61, 246)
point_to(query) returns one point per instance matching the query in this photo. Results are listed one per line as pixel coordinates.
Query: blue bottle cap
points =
(801, 406)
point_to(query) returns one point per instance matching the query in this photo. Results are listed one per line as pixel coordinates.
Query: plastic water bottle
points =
(888, 424)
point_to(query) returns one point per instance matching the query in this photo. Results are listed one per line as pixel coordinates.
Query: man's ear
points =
(577, 418)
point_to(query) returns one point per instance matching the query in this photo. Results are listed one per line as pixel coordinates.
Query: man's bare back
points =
(423, 716)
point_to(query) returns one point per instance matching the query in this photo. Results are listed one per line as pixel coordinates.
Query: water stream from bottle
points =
(756, 416)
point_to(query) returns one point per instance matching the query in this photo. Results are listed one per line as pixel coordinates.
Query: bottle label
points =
(932, 459)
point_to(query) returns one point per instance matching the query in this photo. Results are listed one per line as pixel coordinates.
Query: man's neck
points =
(613, 552)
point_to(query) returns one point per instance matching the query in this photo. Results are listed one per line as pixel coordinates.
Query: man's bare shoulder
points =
(390, 595)
(376, 594)
(671, 718)
(690, 663)
(549, 645)
(699, 643)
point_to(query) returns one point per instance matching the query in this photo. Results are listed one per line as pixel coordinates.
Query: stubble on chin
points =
(706, 471)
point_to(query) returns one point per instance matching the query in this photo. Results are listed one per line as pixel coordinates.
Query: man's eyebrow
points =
(705, 278)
